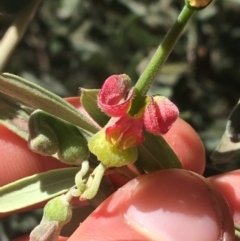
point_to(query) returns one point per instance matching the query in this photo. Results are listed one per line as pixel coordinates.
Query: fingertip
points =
(228, 185)
(187, 145)
(159, 206)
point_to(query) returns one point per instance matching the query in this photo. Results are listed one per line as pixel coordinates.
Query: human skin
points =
(18, 161)
(172, 205)
(228, 184)
(166, 205)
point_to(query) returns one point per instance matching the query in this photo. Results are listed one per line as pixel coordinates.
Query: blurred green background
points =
(79, 43)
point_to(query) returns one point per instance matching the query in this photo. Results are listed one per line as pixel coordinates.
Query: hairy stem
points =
(146, 79)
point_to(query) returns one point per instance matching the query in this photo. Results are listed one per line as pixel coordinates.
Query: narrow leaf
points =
(14, 116)
(36, 188)
(226, 151)
(40, 98)
(233, 125)
(89, 102)
(155, 154)
(227, 154)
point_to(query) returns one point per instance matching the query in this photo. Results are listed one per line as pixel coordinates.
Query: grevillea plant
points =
(116, 126)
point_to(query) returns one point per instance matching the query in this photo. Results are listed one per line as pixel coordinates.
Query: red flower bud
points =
(159, 115)
(115, 95)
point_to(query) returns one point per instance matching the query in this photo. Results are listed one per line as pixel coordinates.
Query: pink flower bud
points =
(159, 115)
(115, 95)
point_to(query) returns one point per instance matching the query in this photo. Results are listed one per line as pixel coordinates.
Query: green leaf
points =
(226, 151)
(237, 231)
(155, 154)
(89, 102)
(40, 98)
(226, 156)
(35, 189)
(14, 116)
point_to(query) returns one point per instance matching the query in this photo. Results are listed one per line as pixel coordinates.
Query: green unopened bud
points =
(58, 210)
(49, 135)
(73, 148)
(42, 138)
(56, 213)
(111, 155)
(197, 4)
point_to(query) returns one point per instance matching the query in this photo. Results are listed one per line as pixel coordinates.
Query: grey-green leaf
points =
(226, 151)
(227, 154)
(155, 154)
(40, 98)
(89, 102)
(233, 126)
(14, 115)
(35, 189)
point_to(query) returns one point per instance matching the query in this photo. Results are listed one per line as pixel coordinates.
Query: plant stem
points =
(93, 182)
(16, 31)
(164, 49)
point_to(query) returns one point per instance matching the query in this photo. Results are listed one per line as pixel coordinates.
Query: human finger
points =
(228, 184)
(159, 206)
(187, 145)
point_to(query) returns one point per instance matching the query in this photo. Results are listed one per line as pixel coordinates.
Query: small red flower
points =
(159, 114)
(126, 132)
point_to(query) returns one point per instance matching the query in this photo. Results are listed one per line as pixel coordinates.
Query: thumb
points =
(159, 206)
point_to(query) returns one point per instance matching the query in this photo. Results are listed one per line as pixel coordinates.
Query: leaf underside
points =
(155, 154)
(226, 156)
(37, 97)
(14, 116)
(36, 188)
(89, 102)
(226, 150)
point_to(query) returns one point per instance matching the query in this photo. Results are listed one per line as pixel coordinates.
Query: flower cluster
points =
(115, 99)
(124, 131)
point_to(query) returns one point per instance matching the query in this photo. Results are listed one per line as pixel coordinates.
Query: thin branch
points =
(16, 31)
